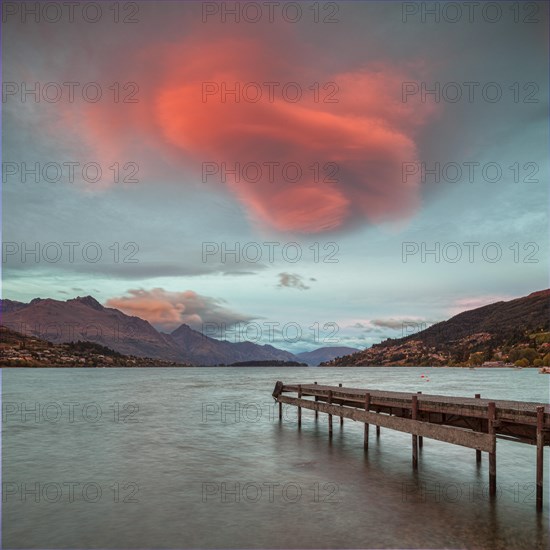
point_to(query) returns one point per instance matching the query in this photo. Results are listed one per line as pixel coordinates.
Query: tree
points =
(522, 363)
(476, 358)
(530, 354)
(523, 353)
(537, 362)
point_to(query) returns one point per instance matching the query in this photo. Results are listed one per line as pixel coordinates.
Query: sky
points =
(328, 174)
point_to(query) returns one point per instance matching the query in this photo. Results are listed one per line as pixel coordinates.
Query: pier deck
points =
(472, 422)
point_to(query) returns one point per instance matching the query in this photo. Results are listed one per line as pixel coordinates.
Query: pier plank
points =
(520, 412)
(458, 436)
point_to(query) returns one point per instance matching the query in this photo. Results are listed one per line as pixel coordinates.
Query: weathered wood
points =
(470, 422)
(515, 419)
(280, 410)
(316, 412)
(540, 456)
(517, 412)
(414, 437)
(448, 434)
(367, 407)
(341, 417)
(478, 453)
(491, 416)
(330, 415)
(299, 408)
(278, 389)
(420, 438)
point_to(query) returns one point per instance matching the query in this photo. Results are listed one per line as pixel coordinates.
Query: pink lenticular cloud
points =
(367, 134)
(168, 310)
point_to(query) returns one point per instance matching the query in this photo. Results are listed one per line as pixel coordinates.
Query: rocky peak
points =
(88, 301)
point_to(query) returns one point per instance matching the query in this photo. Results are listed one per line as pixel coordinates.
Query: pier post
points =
(377, 427)
(330, 415)
(341, 405)
(478, 453)
(300, 408)
(316, 412)
(420, 438)
(367, 407)
(414, 413)
(540, 456)
(491, 414)
(280, 411)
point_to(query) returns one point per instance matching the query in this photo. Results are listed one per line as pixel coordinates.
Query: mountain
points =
(503, 331)
(203, 350)
(324, 354)
(11, 305)
(18, 350)
(85, 319)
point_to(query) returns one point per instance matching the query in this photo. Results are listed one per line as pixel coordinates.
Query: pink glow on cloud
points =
(168, 310)
(466, 304)
(368, 133)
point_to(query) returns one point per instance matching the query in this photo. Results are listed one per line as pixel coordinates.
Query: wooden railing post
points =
(330, 415)
(491, 417)
(316, 412)
(367, 407)
(300, 408)
(478, 453)
(540, 456)
(280, 411)
(420, 438)
(414, 414)
(341, 405)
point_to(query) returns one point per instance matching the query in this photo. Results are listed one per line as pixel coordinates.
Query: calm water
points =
(193, 458)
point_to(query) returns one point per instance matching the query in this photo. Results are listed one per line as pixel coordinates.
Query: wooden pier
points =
(472, 422)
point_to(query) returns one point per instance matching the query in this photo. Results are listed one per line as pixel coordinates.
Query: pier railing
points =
(472, 422)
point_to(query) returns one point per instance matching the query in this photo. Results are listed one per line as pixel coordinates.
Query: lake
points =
(197, 458)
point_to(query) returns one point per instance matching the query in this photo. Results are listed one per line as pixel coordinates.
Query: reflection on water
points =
(196, 458)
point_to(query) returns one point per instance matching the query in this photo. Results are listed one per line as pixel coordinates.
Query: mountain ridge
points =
(496, 332)
(84, 318)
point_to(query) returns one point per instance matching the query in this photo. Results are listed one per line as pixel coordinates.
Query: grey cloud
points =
(292, 280)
